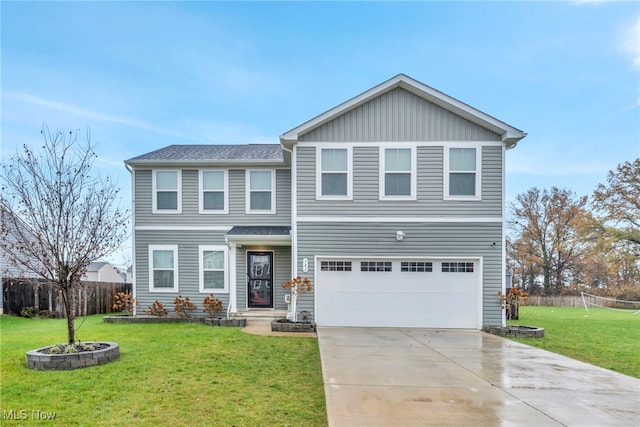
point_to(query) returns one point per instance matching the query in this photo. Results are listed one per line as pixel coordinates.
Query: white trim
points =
(404, 219)
(182, 228)
(233, 285)
(382, 172)
(358, 144)
(216, 248)
(504, 239)
(173, 248)
(349, 172)
(294, 211)
(201, 209)
(478, 172)
(154, 198)
(248, 192)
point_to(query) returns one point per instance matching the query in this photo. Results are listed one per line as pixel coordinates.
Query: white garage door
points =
(402, 293)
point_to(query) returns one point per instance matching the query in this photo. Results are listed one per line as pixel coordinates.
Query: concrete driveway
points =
(425, 377)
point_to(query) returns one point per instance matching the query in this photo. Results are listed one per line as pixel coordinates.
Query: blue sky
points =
(143, 75)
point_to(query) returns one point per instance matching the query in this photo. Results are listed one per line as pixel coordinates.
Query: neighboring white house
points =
(100, 271)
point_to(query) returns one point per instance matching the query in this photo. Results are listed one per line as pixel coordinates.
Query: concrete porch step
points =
(259, 317)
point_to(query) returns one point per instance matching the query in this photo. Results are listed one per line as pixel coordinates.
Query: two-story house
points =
(392, 203)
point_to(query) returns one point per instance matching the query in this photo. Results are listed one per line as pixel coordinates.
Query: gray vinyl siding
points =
(430, 186)
(281, 273)
(190, 198)
(399, 115)
(422, 240)
(188, 253)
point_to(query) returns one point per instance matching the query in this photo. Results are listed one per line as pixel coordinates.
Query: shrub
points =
(157, 309)
(29, 312)
(124, 303)
(297, 287)
(46, 314)
(515, 298)
(184, 307)
(212, 306)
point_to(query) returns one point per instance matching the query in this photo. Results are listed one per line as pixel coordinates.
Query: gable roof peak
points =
(510, 135)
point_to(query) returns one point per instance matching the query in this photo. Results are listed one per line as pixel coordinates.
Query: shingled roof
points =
(271, 153)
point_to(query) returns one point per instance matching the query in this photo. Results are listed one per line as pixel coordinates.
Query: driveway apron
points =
(426, 377)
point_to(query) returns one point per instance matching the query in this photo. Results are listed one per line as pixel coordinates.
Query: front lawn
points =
(168, 374)
(606, 338)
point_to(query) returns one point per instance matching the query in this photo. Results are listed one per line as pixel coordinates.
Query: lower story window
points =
(375, 266)
(163, 268)
(416, 266)
(457, 267)
(213, 271)
(335, 265)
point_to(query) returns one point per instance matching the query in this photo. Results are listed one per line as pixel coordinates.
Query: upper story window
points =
(163, 268)
(462, 177)
(333, 175)
(261, 193)
(167, 191)
(214, 191)
(398, 173)
(213, 271)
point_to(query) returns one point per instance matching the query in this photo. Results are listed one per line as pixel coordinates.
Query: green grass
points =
(606, 338)
(167, 374)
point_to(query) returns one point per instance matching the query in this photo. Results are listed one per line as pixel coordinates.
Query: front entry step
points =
(258, 317)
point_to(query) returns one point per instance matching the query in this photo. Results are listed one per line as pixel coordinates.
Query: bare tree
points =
(61, 217)
(547, 234)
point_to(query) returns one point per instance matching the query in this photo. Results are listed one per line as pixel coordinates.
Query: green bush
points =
(29, 312)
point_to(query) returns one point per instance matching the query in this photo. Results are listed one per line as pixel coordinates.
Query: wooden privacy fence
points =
(93, 297)
(559, 301)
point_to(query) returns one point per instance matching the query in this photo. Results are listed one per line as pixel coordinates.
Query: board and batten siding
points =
(430, 186)
(190, 198)
(281, 273)
(422, 240)
(399, 115)
(188, 243)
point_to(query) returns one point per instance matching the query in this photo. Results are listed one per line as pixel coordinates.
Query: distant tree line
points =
(559, 242)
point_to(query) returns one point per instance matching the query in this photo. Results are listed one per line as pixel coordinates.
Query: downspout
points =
(294, 227)
(133, 236)
(231, 268)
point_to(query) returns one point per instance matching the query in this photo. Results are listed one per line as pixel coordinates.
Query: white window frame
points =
(349, 171)
(447, 173)
(248, 192)
(382, 173)
(173, 248)
(217, 248)
(201, 190)
(155, 209)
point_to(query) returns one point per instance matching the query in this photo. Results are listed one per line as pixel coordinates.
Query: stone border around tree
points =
(517, 331)
(41, 361)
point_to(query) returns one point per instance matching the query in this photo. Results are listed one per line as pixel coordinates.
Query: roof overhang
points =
(510, 135)
(259, 235)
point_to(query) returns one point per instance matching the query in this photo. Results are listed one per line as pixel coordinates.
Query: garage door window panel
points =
(335, 266)
(376, 266)
(416, 267)
(457, 267)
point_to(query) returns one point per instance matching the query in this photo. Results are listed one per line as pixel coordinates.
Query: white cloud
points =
(630, 42)
(86, 113)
